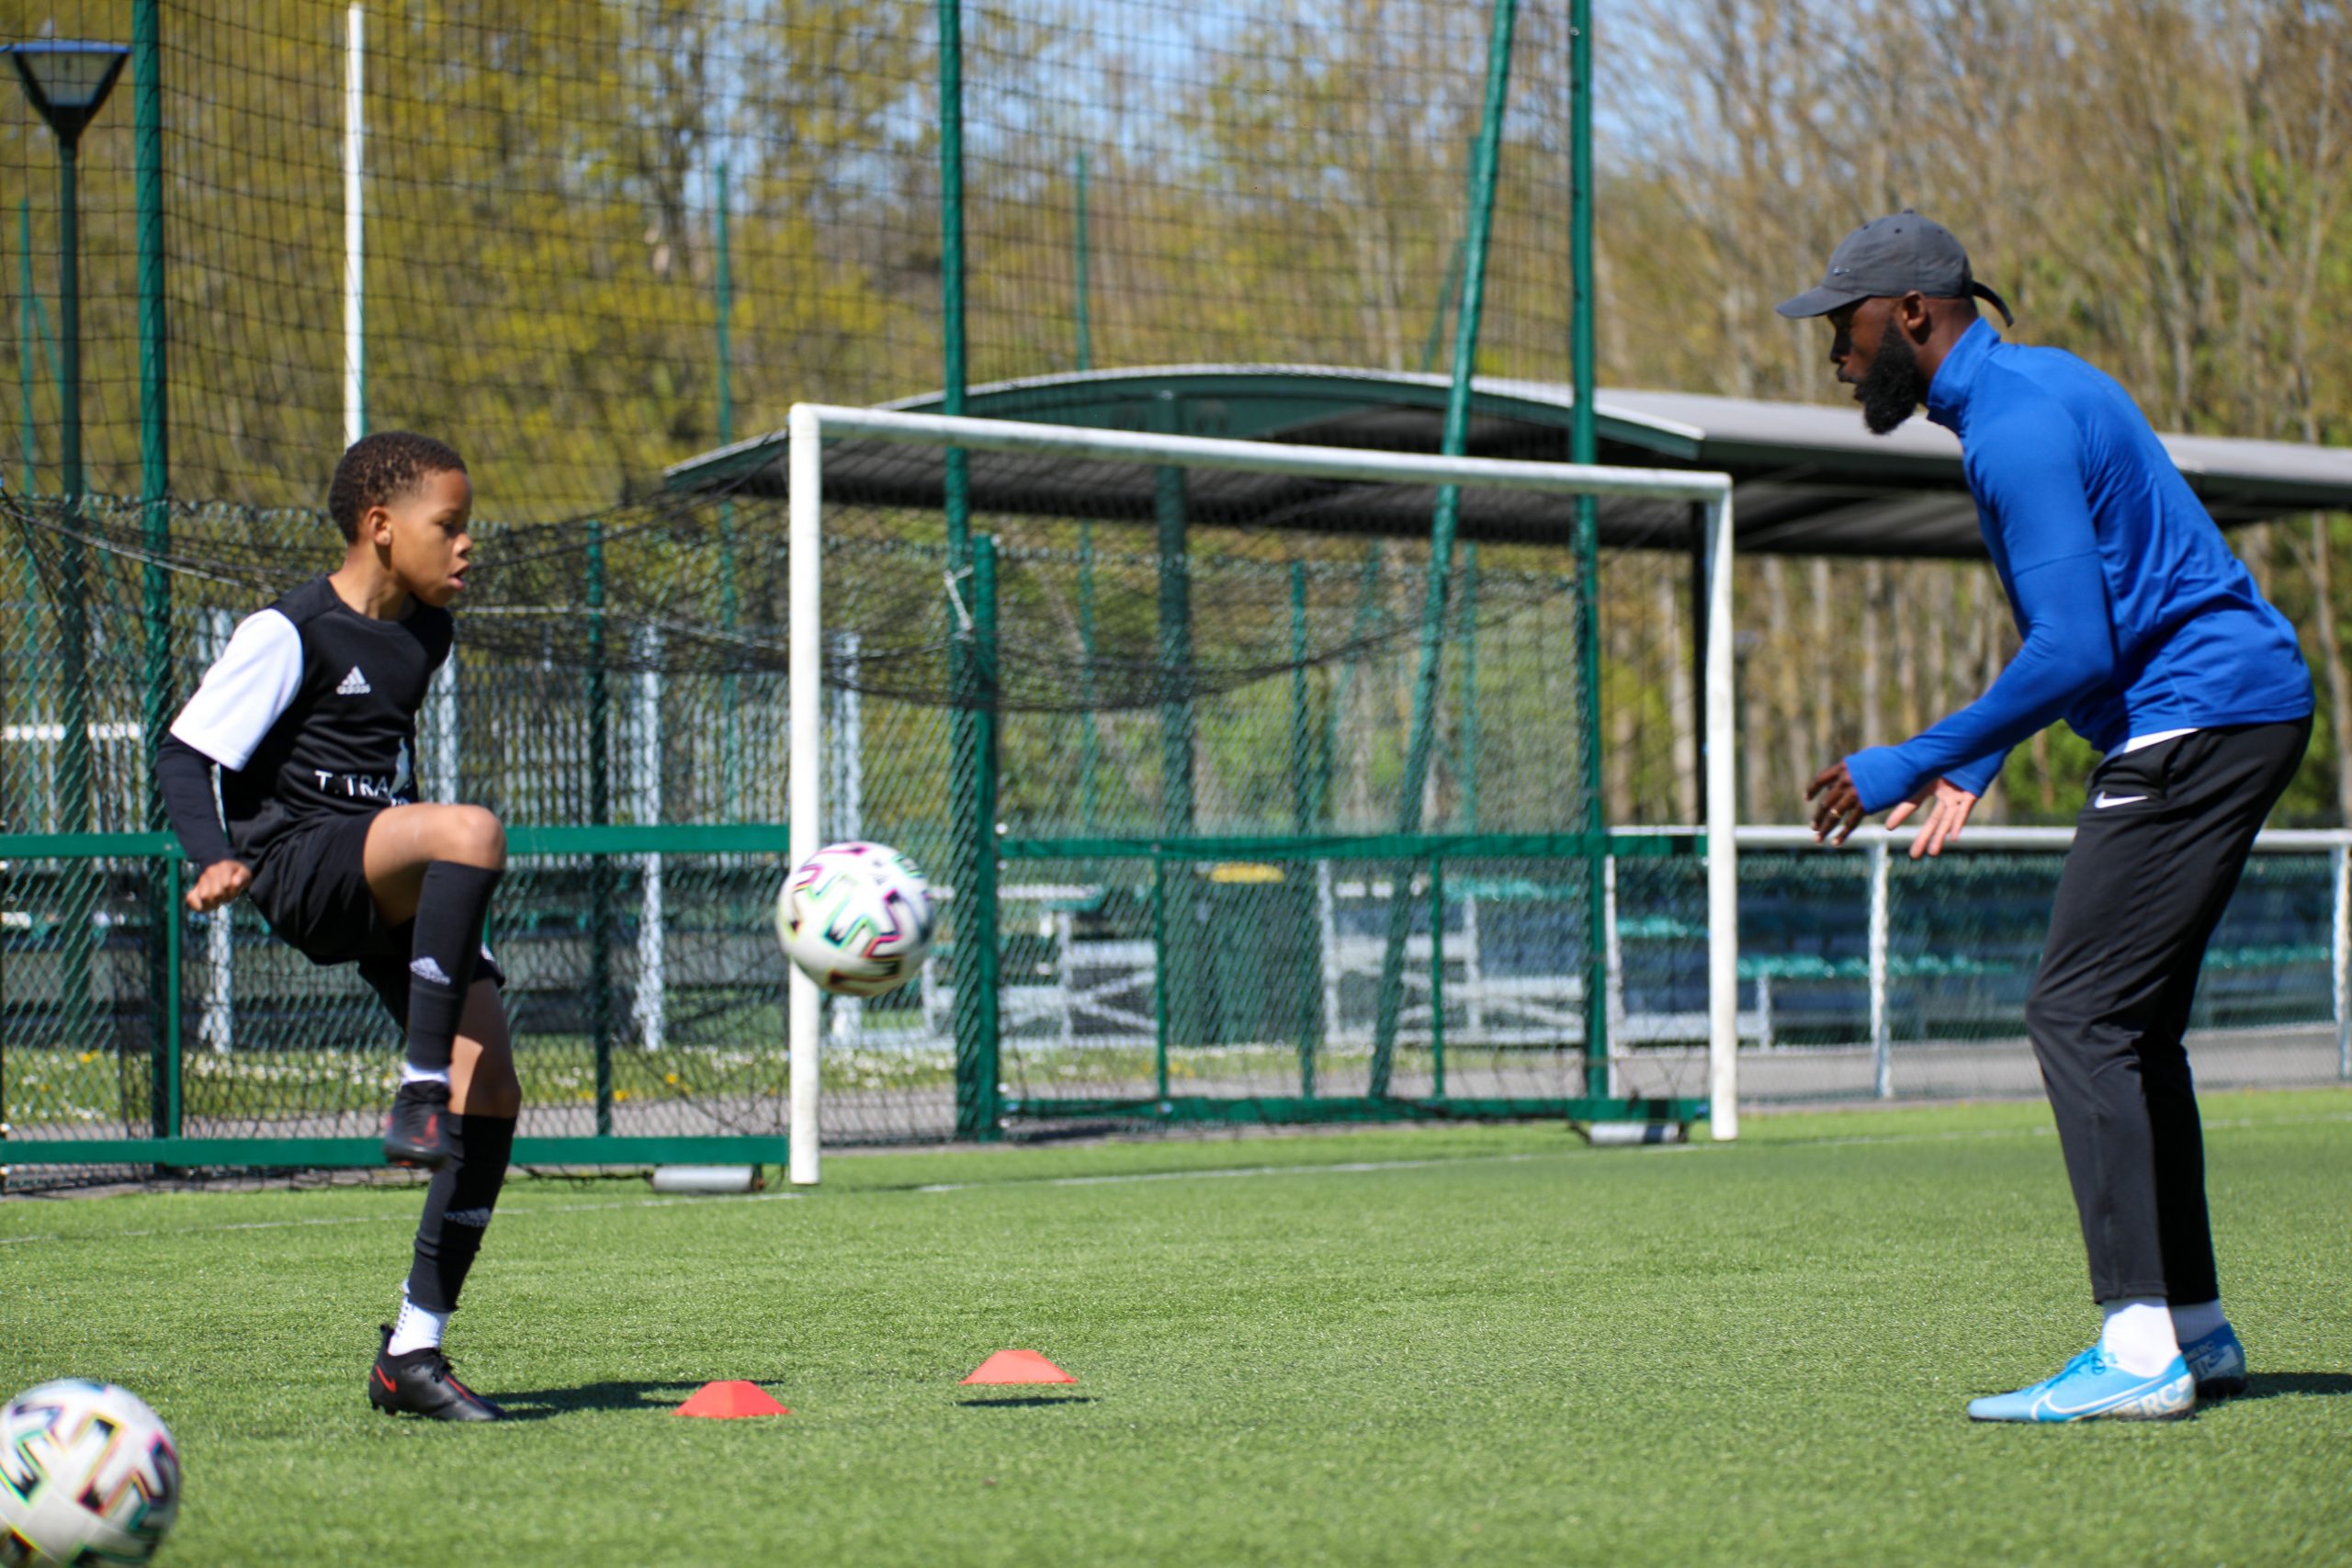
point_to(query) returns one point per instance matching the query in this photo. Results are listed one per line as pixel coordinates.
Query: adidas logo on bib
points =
(353, 684)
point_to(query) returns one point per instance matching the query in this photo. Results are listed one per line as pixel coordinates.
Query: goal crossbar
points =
(829, 421)
(812, 424)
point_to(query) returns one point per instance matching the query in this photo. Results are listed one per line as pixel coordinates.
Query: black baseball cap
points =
(1888, 257)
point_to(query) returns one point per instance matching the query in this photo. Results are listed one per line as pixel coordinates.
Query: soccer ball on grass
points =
(87, 1475)
(856, 917)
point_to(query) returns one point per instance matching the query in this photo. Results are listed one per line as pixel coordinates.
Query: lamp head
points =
(67, 79)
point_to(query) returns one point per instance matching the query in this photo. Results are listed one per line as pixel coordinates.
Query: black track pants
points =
(2157, 852)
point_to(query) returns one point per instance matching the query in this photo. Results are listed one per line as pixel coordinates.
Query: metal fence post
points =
(730, 719)
(219, 1027)
(978, 1018)
(174, 1102)
(1090, 737)
(1612, 1001)
(1327, 927)
(437, 771)
(1584, 438)
(154, 484)
(1723, 832)
(2342, 949)
(1881, 1052)
(1443, 523)
(75, 775)
(971, 653)
(600, 812)
(1466, 768)
(1437, 976)
(1179, 803)
(1159, 971)
(1302, 806)
(653, 935)
(843, 812)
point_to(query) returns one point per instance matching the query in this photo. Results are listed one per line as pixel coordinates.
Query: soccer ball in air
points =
(87, 1474)
(856, 917)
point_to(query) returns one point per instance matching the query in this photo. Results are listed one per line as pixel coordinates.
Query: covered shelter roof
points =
(1809, 479)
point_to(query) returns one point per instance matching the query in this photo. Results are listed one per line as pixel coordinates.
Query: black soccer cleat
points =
(420, 1383)
(417, 1130)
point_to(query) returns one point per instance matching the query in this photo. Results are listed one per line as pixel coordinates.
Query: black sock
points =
(450, 908)
(457, 1205)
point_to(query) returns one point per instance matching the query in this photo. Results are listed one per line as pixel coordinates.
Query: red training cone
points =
(1019, 1366)
(725, 1401)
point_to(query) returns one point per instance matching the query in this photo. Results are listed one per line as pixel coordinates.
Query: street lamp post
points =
(67, 82)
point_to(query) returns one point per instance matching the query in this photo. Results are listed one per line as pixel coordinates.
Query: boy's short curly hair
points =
(381, 469)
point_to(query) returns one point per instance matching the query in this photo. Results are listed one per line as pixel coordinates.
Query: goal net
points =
(1248, 802)
(1260, 782)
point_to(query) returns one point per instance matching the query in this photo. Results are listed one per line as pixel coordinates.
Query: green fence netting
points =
(1222, 943)
(1934, 1008)
(1240, 693)
(604, 235)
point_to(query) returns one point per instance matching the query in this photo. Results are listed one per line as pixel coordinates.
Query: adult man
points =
(2144, 631)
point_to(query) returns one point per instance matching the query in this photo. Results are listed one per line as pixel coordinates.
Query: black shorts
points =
(312, 886)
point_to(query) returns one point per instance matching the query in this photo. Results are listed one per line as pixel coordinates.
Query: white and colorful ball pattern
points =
(856, 917)
(88, 1475)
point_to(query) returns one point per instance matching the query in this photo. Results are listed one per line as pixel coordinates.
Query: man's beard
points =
(1894, 389)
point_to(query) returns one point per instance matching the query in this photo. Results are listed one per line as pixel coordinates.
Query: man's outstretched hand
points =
(220, 883)
(1947, 808)
(1837, 805)
(1837, 810)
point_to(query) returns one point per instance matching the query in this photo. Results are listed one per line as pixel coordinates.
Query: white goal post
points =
(811, 424)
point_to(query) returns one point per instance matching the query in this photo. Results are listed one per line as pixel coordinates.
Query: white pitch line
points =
(2238, 1124)
(1354, 1167)
(1350, 1168)
(517, 1211)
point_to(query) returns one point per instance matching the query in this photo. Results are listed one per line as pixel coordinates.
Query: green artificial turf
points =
(1406, 1347)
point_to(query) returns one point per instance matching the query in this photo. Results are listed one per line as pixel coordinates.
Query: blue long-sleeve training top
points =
(2136, 617)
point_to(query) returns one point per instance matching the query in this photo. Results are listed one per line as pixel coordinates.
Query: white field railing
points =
(810, 424)
(1882, 847)
(1097, 992)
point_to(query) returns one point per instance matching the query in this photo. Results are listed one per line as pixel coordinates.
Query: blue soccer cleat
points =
(2092, 1386)
(2218, 1363)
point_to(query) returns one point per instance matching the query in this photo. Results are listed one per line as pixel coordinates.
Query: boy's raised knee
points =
(475, 836)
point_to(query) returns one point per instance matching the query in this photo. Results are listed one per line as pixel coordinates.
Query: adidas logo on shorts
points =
(427, 969)
(353, 684)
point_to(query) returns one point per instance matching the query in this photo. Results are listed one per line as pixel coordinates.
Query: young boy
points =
(311, 716)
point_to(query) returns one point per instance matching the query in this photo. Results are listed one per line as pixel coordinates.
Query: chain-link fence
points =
(598, 236)
(644, 988)
(1230, 672)
(1203, 893)
(1866, 974)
